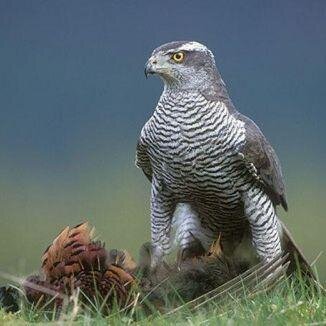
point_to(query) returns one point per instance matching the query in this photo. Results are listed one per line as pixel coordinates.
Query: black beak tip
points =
(146, 73)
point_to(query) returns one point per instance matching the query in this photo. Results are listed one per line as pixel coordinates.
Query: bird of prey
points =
(211, 169)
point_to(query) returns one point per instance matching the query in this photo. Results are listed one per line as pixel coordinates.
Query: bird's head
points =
(183, 65)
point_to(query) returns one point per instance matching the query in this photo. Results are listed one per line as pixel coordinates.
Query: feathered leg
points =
(162, 209)
(264, 223)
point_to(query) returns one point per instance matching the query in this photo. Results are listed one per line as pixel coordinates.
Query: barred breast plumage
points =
(193, 146)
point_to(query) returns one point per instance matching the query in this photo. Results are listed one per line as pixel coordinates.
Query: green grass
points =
(290, 303)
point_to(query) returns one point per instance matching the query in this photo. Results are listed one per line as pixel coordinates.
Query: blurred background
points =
(73, 99)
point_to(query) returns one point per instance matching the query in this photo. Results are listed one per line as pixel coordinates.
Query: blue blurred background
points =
(73, 99)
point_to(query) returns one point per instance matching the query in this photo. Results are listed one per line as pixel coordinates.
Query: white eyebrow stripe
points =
(192, 46)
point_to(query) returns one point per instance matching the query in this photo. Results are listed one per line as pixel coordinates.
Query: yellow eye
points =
(178, 57)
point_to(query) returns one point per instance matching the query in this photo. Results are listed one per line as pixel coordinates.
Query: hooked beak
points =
(150, 67)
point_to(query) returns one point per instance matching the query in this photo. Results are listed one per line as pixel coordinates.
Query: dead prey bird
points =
(77, 263)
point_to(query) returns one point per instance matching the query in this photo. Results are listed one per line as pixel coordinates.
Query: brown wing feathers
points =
(72, 252)
(75, 260)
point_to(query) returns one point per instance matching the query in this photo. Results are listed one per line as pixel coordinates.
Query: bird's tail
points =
(296, 256)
